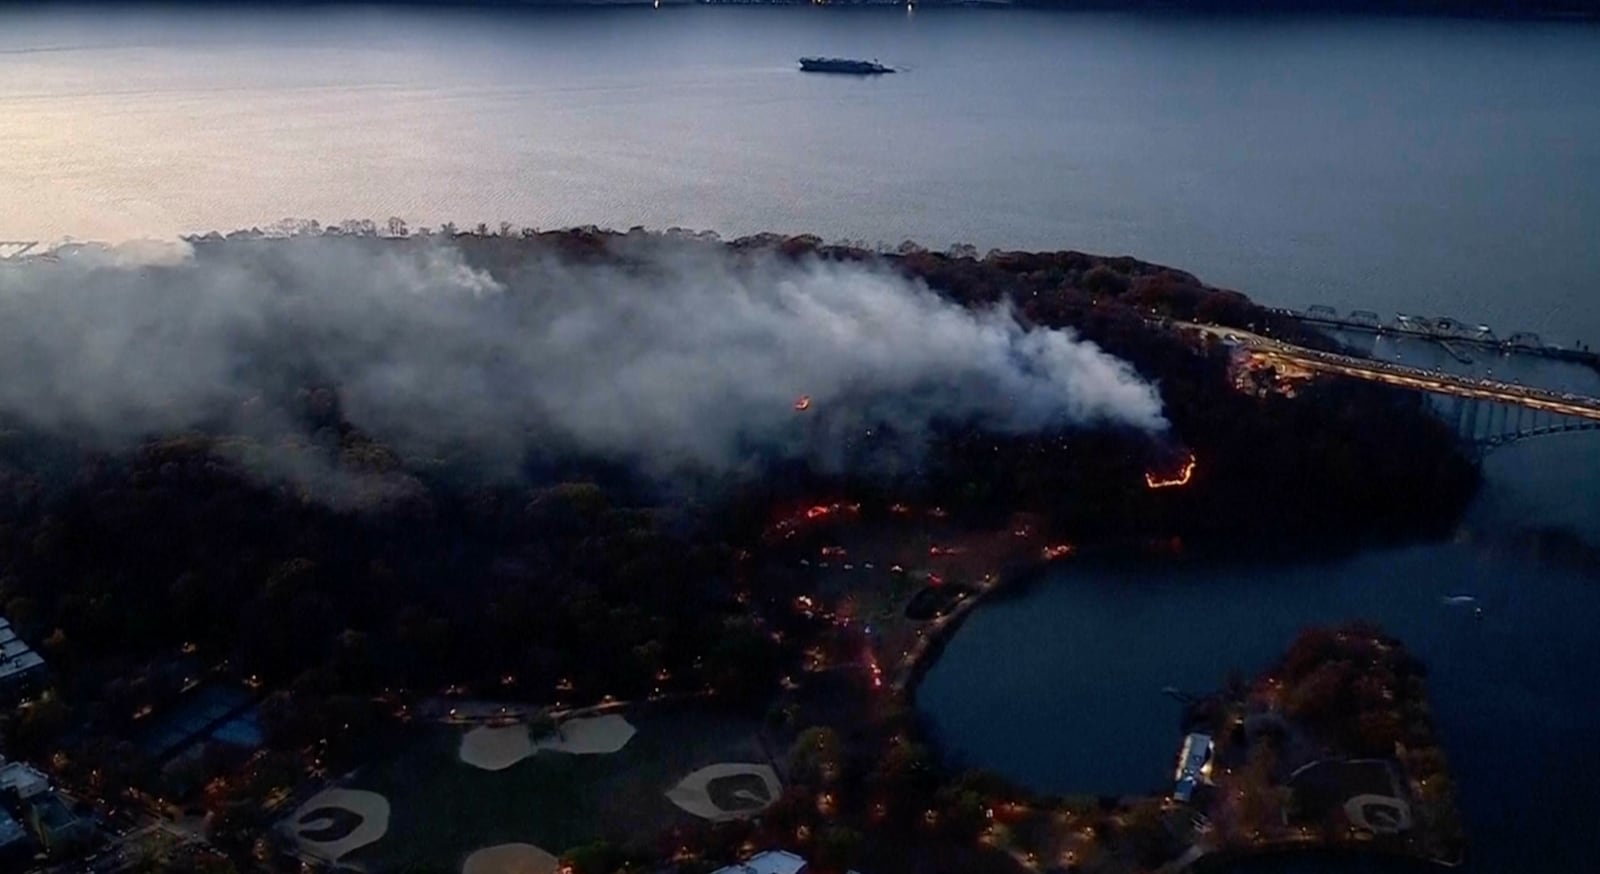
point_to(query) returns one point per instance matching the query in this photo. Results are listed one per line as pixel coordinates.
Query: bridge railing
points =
(1441, 327)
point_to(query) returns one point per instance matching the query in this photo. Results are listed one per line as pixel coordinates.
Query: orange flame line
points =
(1182, 479)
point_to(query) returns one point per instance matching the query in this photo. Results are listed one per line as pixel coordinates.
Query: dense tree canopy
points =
(135, 568)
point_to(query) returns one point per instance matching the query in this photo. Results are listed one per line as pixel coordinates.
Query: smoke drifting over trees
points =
(668, 353)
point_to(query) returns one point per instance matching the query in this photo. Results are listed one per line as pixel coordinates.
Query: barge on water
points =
(843, 65)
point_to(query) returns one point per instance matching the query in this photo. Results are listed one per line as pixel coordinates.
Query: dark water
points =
(1425, 166)
(1429, 166)
(1059, 687)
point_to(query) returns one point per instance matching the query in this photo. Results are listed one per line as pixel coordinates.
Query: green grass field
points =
(444, 809)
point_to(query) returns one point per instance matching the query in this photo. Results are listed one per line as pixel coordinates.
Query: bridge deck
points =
(1448, 384)
(1434, 381)
(1520, 343)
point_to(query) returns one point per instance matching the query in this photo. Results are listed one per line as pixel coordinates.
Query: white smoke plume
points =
(673, 354)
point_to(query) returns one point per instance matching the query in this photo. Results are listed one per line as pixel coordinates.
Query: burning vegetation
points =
(562, 564)
(1172, 479)
(788, 526)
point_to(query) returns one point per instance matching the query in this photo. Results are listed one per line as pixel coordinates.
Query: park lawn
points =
(443, 809)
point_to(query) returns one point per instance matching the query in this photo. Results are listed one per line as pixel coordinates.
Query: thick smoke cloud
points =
(673, 355)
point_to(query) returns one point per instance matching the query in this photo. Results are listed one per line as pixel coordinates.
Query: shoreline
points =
(1201, 856)
(1021, 572)
(911, 670)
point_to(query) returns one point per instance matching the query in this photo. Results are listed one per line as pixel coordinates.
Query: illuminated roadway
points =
(1421, 379)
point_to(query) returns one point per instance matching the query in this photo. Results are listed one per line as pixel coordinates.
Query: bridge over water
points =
(1486, 412)
(1445, 330)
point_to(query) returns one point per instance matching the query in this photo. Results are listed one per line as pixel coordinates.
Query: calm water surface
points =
(1438, 167)
(1442, 167)
(1060, 686)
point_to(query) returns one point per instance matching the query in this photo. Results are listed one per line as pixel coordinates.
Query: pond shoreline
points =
(911, 670)
(1205, 850)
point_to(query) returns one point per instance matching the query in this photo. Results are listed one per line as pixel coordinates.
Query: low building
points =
(23, 779)
(769, 862)
(1194, 766)
(60, 831)
(16, 847)
(13, 837)
(20, 666)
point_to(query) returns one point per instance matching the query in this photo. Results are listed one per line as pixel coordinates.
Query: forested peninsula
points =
(292, 537)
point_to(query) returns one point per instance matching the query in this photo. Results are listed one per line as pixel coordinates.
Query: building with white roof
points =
(1194, 765)
(769, 862)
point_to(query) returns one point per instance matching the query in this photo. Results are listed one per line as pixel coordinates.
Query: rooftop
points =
(14, 666)
(1194, 765)
(23, 778)
(769, 862)
(16, 658)
(54, 814)
(11, 831)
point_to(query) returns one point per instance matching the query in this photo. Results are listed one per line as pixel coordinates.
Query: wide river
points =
(1427, 166)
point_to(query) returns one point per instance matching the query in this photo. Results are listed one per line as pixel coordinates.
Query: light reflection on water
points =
(1431, 166)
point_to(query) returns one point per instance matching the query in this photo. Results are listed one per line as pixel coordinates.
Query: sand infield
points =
(1398, 819)
(511, 859)
(338, 821)
(757, 787)
(590, 735)
(495, 749)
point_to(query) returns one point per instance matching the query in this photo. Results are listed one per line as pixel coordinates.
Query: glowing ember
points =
(802, 404)
(937, 551)
(899, 509)
(875, 672)
(787, 527)
(834, 552)
(935, 580)
(1182, 477)
(1059, 550)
